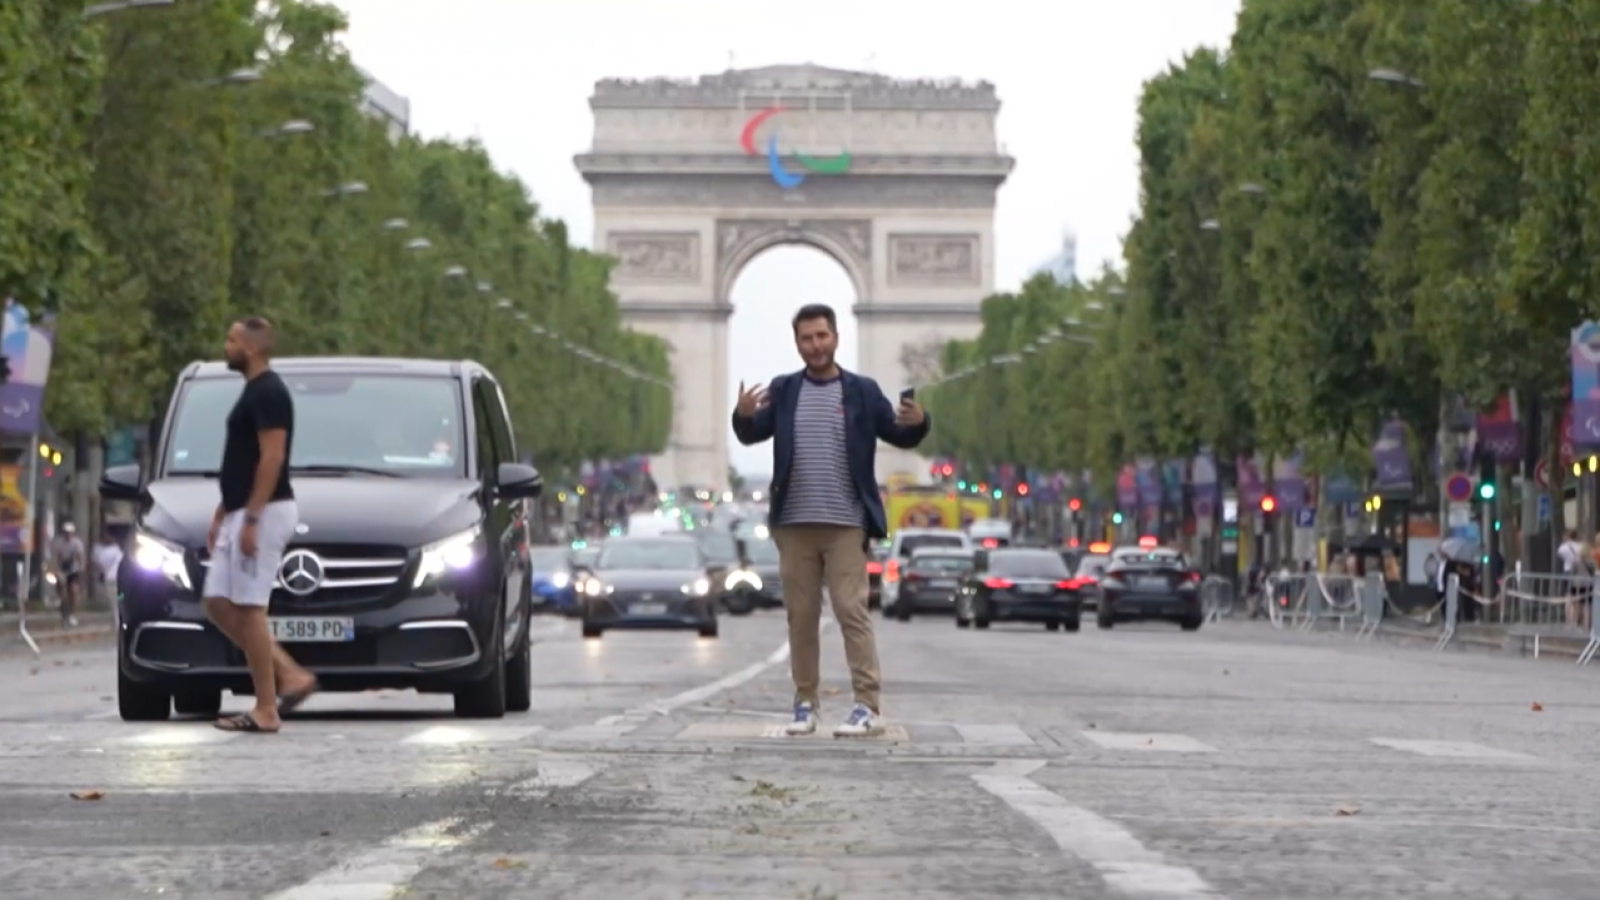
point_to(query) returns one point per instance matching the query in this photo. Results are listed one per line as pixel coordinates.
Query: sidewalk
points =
(45, 626)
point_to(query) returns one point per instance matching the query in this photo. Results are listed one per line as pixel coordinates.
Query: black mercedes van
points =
(408, 568)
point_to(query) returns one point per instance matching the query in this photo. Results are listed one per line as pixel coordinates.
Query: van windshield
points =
(402, 425)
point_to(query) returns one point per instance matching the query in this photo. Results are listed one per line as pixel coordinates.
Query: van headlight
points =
(559, 580)
(449, 555)
(741, 578)
(697, 588)
(156, 555)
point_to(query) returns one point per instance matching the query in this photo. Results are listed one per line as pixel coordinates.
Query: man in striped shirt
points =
(825, 424)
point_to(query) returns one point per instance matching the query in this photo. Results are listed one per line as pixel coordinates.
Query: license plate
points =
(648, 609)
(1153, 584)
(943, 583)
(1037, 589)
(305, 629)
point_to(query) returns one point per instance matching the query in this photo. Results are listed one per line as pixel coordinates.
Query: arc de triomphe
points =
(895, 180)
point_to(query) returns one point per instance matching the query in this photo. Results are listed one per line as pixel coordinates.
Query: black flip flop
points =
(243, 722)
(288, 703)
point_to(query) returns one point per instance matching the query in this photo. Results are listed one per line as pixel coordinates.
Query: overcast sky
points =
(517, 74)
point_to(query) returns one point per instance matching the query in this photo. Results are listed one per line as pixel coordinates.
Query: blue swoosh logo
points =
(783, 178)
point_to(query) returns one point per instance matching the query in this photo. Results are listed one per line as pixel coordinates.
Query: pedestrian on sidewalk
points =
(253, 525)
(825, 424)
(68, 559)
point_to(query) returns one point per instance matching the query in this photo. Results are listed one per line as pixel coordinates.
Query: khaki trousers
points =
(809, 557)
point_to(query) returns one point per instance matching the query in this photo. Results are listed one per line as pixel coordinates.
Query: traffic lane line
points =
(383, 872)
(1126, 865)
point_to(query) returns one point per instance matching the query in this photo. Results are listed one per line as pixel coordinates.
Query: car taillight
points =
(1071, 584)
(996, 583)
(874, 568)
(1194, 576)
(990, 543)
(891, 571)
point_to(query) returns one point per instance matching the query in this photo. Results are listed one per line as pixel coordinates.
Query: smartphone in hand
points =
(908, 394)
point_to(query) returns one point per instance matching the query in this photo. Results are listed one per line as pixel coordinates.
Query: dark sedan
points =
(1017, 585)
(653, 583)
(930, 581)
(762, 582)
(1137, 589)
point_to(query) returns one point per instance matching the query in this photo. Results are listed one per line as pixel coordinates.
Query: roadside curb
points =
(75, 637)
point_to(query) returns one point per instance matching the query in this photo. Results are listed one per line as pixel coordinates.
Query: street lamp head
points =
(1211, 225)
(101, 9)
(485, 287)
(1094, 306)
(456, 272)
(420, 243)
(242, 76)
(503, 303)
(1393, 76)
(521, 317)
(397, 225)
(294, 126)
(1250, 187)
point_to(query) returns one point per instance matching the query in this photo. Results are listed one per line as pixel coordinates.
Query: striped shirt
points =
(821, 491)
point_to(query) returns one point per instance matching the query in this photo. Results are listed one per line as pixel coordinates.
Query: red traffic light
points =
(949, 470)
(1074, 504)
(1268, 504)
(1022, 490)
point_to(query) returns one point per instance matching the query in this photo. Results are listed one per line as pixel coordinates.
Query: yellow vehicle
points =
(931, 507)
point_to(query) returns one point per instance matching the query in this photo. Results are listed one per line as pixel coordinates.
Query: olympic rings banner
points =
(782, 176)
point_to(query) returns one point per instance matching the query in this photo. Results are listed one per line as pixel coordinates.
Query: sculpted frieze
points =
(935, 258)
(655, 255)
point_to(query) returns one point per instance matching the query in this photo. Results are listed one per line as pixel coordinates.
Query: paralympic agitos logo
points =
(832, 165)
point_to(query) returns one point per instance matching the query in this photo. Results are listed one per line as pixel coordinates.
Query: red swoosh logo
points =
(747, 137)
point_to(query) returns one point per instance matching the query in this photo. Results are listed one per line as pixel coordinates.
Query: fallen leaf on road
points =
(503, 863)
(1346, 811)
(1150, 741)
(737, 777)
(86, 795)
(1224, 671)
(1537, 706)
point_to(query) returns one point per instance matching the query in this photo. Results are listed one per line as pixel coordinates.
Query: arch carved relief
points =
(848, 241)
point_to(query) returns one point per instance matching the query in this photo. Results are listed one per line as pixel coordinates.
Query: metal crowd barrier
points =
(1216, 597)
(1541, 605)
(1305, 601)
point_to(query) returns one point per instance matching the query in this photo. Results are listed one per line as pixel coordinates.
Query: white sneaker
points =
(805, 720)
(862, 722)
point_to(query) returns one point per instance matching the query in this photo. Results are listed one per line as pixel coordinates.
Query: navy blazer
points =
(868, 416)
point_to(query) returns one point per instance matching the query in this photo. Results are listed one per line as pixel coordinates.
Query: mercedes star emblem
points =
(301, 573)
(648, 596)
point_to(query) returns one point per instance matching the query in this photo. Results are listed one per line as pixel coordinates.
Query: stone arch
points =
(684, 209)
(847, 242)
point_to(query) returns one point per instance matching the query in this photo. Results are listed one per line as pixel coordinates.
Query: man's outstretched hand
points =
(751, 400)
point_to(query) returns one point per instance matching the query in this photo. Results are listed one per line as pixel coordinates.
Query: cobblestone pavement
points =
(1237, 763)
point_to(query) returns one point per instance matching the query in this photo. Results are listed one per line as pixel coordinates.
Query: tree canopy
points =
(165, 170)
(1357, 210)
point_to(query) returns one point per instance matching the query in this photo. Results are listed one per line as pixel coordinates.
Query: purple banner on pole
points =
(1127, 488)
(1149, 481)
(1499, 432)
(1251, 487)
(1585, 352)
(1203, 484)
(27, 348)
(1173, 474)
(1391, 465)
(1288, 486)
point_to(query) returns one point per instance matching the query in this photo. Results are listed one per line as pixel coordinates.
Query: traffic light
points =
(1485, 490)
(1022, 490)
(1268, 504)
(948, 470)
(1116, 518)
(49, 454)
(961, 485)
(1074, 504)
(998, 493)
(1486, 473)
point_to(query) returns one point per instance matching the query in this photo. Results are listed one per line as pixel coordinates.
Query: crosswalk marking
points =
(445, 735)
(179, 736)
(1004, 735)
(1167, 743)
(1449, 749)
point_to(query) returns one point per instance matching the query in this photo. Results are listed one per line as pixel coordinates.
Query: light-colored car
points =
(907, 540)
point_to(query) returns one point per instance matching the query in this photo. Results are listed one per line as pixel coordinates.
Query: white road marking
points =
(448, 735)
(553, 775)
(1126, 865)
(1159, 743)
(1449, 749)
(382, 872)
(1005, 735)
(185, 735)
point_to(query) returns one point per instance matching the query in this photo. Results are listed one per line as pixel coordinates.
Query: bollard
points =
(22, 609)
(1452, 606)
(1372, 597)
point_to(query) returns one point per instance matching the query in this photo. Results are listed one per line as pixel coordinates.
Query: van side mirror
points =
(122, 483)
(516, 481)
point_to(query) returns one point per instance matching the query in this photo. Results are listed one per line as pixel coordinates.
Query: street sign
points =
(1544, 508)
(1458, 487)
(1305, 517)
(1541, 474)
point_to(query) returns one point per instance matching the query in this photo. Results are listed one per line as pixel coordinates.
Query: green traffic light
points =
(961, 485)
(1116, 518)
(1486, 491)
(997, 493)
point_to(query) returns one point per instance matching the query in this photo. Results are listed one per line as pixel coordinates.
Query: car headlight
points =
(156, 555)
(740, 577)
(451, 554)
(559, 580)
(697, 588)
(594, 587)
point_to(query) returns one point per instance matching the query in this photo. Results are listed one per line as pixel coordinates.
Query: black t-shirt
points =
(264, 405)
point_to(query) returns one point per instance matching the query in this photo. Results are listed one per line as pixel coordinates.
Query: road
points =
(1237, 763)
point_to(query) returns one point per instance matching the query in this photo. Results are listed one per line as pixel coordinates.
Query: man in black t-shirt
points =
(253, 525)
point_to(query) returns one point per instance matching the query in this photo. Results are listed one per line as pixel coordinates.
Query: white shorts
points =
(249, 580)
